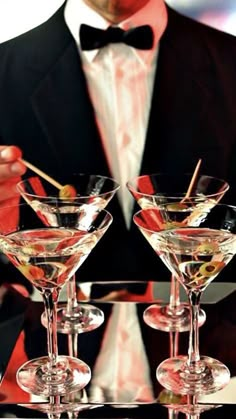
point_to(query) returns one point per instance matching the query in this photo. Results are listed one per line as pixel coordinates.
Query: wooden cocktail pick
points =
(193, 179)
(65, 191)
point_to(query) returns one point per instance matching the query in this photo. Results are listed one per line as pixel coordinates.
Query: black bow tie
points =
(93, 38)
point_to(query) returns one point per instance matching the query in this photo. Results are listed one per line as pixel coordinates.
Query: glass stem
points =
(193, 416)
(173, 414)
(71, 296)
(174, 344)
(73, 344)
(174, 303)
(54, 415)
(193, 349)
(54, 401)
(50, 297)
(192, 403)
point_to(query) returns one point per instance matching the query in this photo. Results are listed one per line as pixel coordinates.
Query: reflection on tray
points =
(123, 352)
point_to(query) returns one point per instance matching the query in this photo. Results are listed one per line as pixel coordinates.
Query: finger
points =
(8, 205)
(11, 170)
(9, 153)
(8, 189)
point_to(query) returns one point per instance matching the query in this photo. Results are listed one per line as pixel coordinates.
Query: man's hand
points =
(11, 170)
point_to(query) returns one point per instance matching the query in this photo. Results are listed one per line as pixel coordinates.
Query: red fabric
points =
(37, 187)
(10, 392)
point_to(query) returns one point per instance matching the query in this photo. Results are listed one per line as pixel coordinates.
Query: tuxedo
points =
(46, 110)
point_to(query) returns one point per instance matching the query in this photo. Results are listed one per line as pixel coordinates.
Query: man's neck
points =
(115, 11)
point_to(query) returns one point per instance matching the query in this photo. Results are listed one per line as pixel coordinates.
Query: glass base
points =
(158, 316)
(69, 375)
(174, 375)
(85, 318)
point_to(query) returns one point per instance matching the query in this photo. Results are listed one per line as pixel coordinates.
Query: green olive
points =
(31, 272)
(68, 191)
(172, 224)
(208, 248)
(167, 397)
(177, 206)
(209, 269)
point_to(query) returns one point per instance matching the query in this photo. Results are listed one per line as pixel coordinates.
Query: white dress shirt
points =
(120, 81)
(121, 372)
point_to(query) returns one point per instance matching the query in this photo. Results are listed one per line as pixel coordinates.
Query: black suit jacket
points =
(46, 110)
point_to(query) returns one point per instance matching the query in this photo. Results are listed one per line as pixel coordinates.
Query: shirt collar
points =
(154, 13)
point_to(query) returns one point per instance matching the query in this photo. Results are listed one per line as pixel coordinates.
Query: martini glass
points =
(169, 193)
(47, 256)
(93, 193)
(197, 255)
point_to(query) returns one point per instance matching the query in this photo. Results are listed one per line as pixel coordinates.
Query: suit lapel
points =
(180, 98)
(63, 108)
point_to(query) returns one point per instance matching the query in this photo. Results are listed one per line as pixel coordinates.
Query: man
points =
(118, 111)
